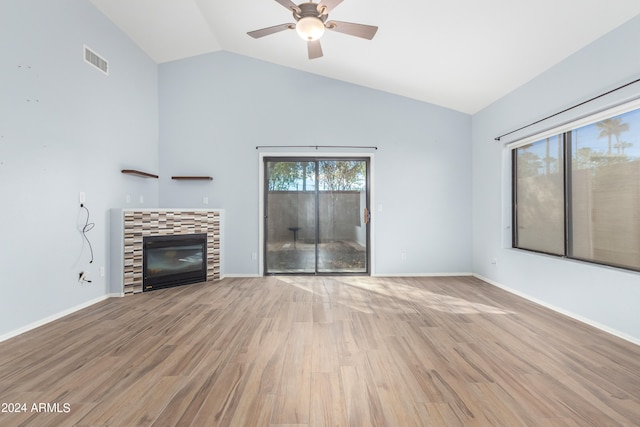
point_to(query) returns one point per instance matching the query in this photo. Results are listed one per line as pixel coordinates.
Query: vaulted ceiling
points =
(461, 54)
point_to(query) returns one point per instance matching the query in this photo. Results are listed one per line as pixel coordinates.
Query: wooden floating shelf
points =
(139, 173)
(201, 178)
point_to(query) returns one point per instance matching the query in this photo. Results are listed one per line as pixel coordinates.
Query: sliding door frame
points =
(314, 155)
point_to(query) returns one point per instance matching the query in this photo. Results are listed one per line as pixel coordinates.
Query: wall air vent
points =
(90, 57)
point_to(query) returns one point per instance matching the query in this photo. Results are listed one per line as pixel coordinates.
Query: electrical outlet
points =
(254, 256)
(205, 200)
(102, 271)
(141, 198)
(83, 197)
(403, 255)
(127, 198)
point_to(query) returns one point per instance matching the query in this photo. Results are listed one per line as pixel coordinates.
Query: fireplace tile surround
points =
(129, 227)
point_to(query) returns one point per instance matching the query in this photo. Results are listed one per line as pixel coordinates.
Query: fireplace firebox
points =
(173, 260)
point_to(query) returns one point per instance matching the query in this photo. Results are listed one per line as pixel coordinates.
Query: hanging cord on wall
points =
(88, 226)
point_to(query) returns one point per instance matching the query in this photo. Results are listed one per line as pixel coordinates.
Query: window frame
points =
(565, 131)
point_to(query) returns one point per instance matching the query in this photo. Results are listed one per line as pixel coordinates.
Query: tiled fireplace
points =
(130, 227)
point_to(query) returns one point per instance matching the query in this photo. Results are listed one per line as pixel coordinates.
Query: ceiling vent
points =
(90, 57)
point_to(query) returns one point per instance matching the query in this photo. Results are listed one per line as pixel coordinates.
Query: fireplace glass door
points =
(174, 260)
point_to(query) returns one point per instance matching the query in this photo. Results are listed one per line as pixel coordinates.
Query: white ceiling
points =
(460, 54)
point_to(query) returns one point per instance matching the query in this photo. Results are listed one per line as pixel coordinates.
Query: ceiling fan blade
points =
(270, 30)
(358, 30)
(329, 4)
(314, 48)
(288, 4)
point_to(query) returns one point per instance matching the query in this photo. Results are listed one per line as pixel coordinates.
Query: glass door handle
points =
(367, 216)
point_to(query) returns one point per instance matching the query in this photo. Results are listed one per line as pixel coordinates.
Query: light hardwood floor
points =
(321, 351)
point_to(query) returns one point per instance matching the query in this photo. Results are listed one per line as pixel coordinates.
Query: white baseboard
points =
(240, 275)
(577, 317)
(49, 319)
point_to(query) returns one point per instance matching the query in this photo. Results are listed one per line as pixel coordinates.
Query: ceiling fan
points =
(311, 22)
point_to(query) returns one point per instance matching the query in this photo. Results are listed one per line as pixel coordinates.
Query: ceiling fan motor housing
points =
(310, 10)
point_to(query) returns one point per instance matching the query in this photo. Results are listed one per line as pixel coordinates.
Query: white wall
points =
(66, 128)
(216, 108)
(603, 296)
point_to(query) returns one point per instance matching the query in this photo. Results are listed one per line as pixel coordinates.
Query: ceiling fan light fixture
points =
(310, 28)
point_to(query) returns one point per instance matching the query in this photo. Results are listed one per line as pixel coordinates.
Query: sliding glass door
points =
(317, 216)
(290, 220)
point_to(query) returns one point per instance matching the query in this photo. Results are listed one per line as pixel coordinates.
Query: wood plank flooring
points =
(320, 351)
